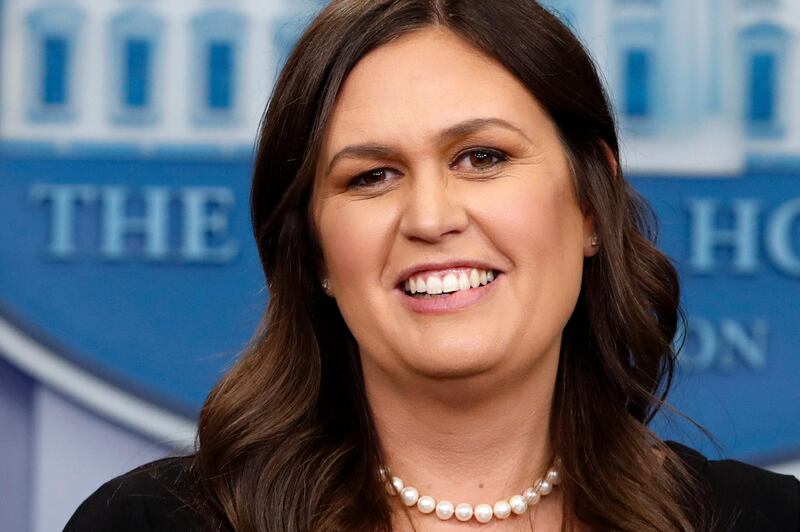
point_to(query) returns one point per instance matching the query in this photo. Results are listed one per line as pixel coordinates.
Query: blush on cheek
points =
(354, 238)
(540, 219)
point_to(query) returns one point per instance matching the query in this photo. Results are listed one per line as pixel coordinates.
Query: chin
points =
(455, 364)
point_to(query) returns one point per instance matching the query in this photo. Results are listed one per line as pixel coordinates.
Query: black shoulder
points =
(149, 498)
(745, 497)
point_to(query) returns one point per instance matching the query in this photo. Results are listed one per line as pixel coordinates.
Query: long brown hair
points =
(286, 441)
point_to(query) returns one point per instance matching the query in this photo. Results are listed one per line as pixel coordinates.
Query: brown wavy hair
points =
(286, 440)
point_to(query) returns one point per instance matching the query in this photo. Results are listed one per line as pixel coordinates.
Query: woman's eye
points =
(478, 159)
(370, 178)
(482, 158)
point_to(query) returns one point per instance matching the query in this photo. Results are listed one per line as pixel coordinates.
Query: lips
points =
(448, 302)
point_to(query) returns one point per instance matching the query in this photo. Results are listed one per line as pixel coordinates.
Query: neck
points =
(470, 439)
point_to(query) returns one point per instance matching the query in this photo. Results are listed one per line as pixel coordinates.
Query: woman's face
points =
(440, 170)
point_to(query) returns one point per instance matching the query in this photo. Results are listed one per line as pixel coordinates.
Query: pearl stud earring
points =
(326, 286)
(595, 241)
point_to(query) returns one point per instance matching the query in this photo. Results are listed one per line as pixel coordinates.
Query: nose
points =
(433, 209)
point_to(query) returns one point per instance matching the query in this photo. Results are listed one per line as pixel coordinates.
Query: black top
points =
(747, 499)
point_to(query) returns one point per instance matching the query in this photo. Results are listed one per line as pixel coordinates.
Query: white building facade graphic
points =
(699, 86)
(148, 76)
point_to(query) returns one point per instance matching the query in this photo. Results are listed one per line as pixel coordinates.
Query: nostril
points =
(431, 216)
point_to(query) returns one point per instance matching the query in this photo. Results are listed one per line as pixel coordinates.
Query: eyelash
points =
(497, 154)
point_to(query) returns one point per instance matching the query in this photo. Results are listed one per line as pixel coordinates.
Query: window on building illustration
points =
(635, 68)
(51, 62)
(637, 74)
(220, 75)
(217, 40)
(761, 98)
(763, 48)
(135, 35)
(55, 89)
(136, 85)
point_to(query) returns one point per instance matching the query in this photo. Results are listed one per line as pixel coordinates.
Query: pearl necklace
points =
(483, 513)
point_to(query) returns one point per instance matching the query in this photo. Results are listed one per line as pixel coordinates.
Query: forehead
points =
(425, 81)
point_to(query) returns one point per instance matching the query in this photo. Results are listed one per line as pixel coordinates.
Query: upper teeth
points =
(448, 282)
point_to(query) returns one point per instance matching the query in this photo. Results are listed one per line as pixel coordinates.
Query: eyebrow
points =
(461, 129)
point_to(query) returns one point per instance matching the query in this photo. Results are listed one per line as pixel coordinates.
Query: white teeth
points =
(434, 285)
(421, 287)
(449, 283)
(474, 278)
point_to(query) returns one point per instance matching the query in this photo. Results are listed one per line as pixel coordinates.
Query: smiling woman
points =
(465, 297)
(456, 173)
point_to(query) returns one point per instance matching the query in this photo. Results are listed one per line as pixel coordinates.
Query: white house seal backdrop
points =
(129, 280)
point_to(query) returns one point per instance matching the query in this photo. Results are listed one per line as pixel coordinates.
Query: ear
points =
(325, 281)
(326, 286)
(611, 159)
(591, 239)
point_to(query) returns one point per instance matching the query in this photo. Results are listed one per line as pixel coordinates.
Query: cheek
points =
(540, 229)
(352, 236)
(533, 219)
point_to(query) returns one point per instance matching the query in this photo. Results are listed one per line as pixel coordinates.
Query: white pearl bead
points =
(532, 496)
(409, 495)
(518, 504)
(502, 509)
(464, 512)
(397, 484)
(483, 513)
(426, 504)
(445, 510)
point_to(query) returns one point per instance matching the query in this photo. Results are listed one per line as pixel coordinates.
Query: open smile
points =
(448, 281)
(448, 291)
